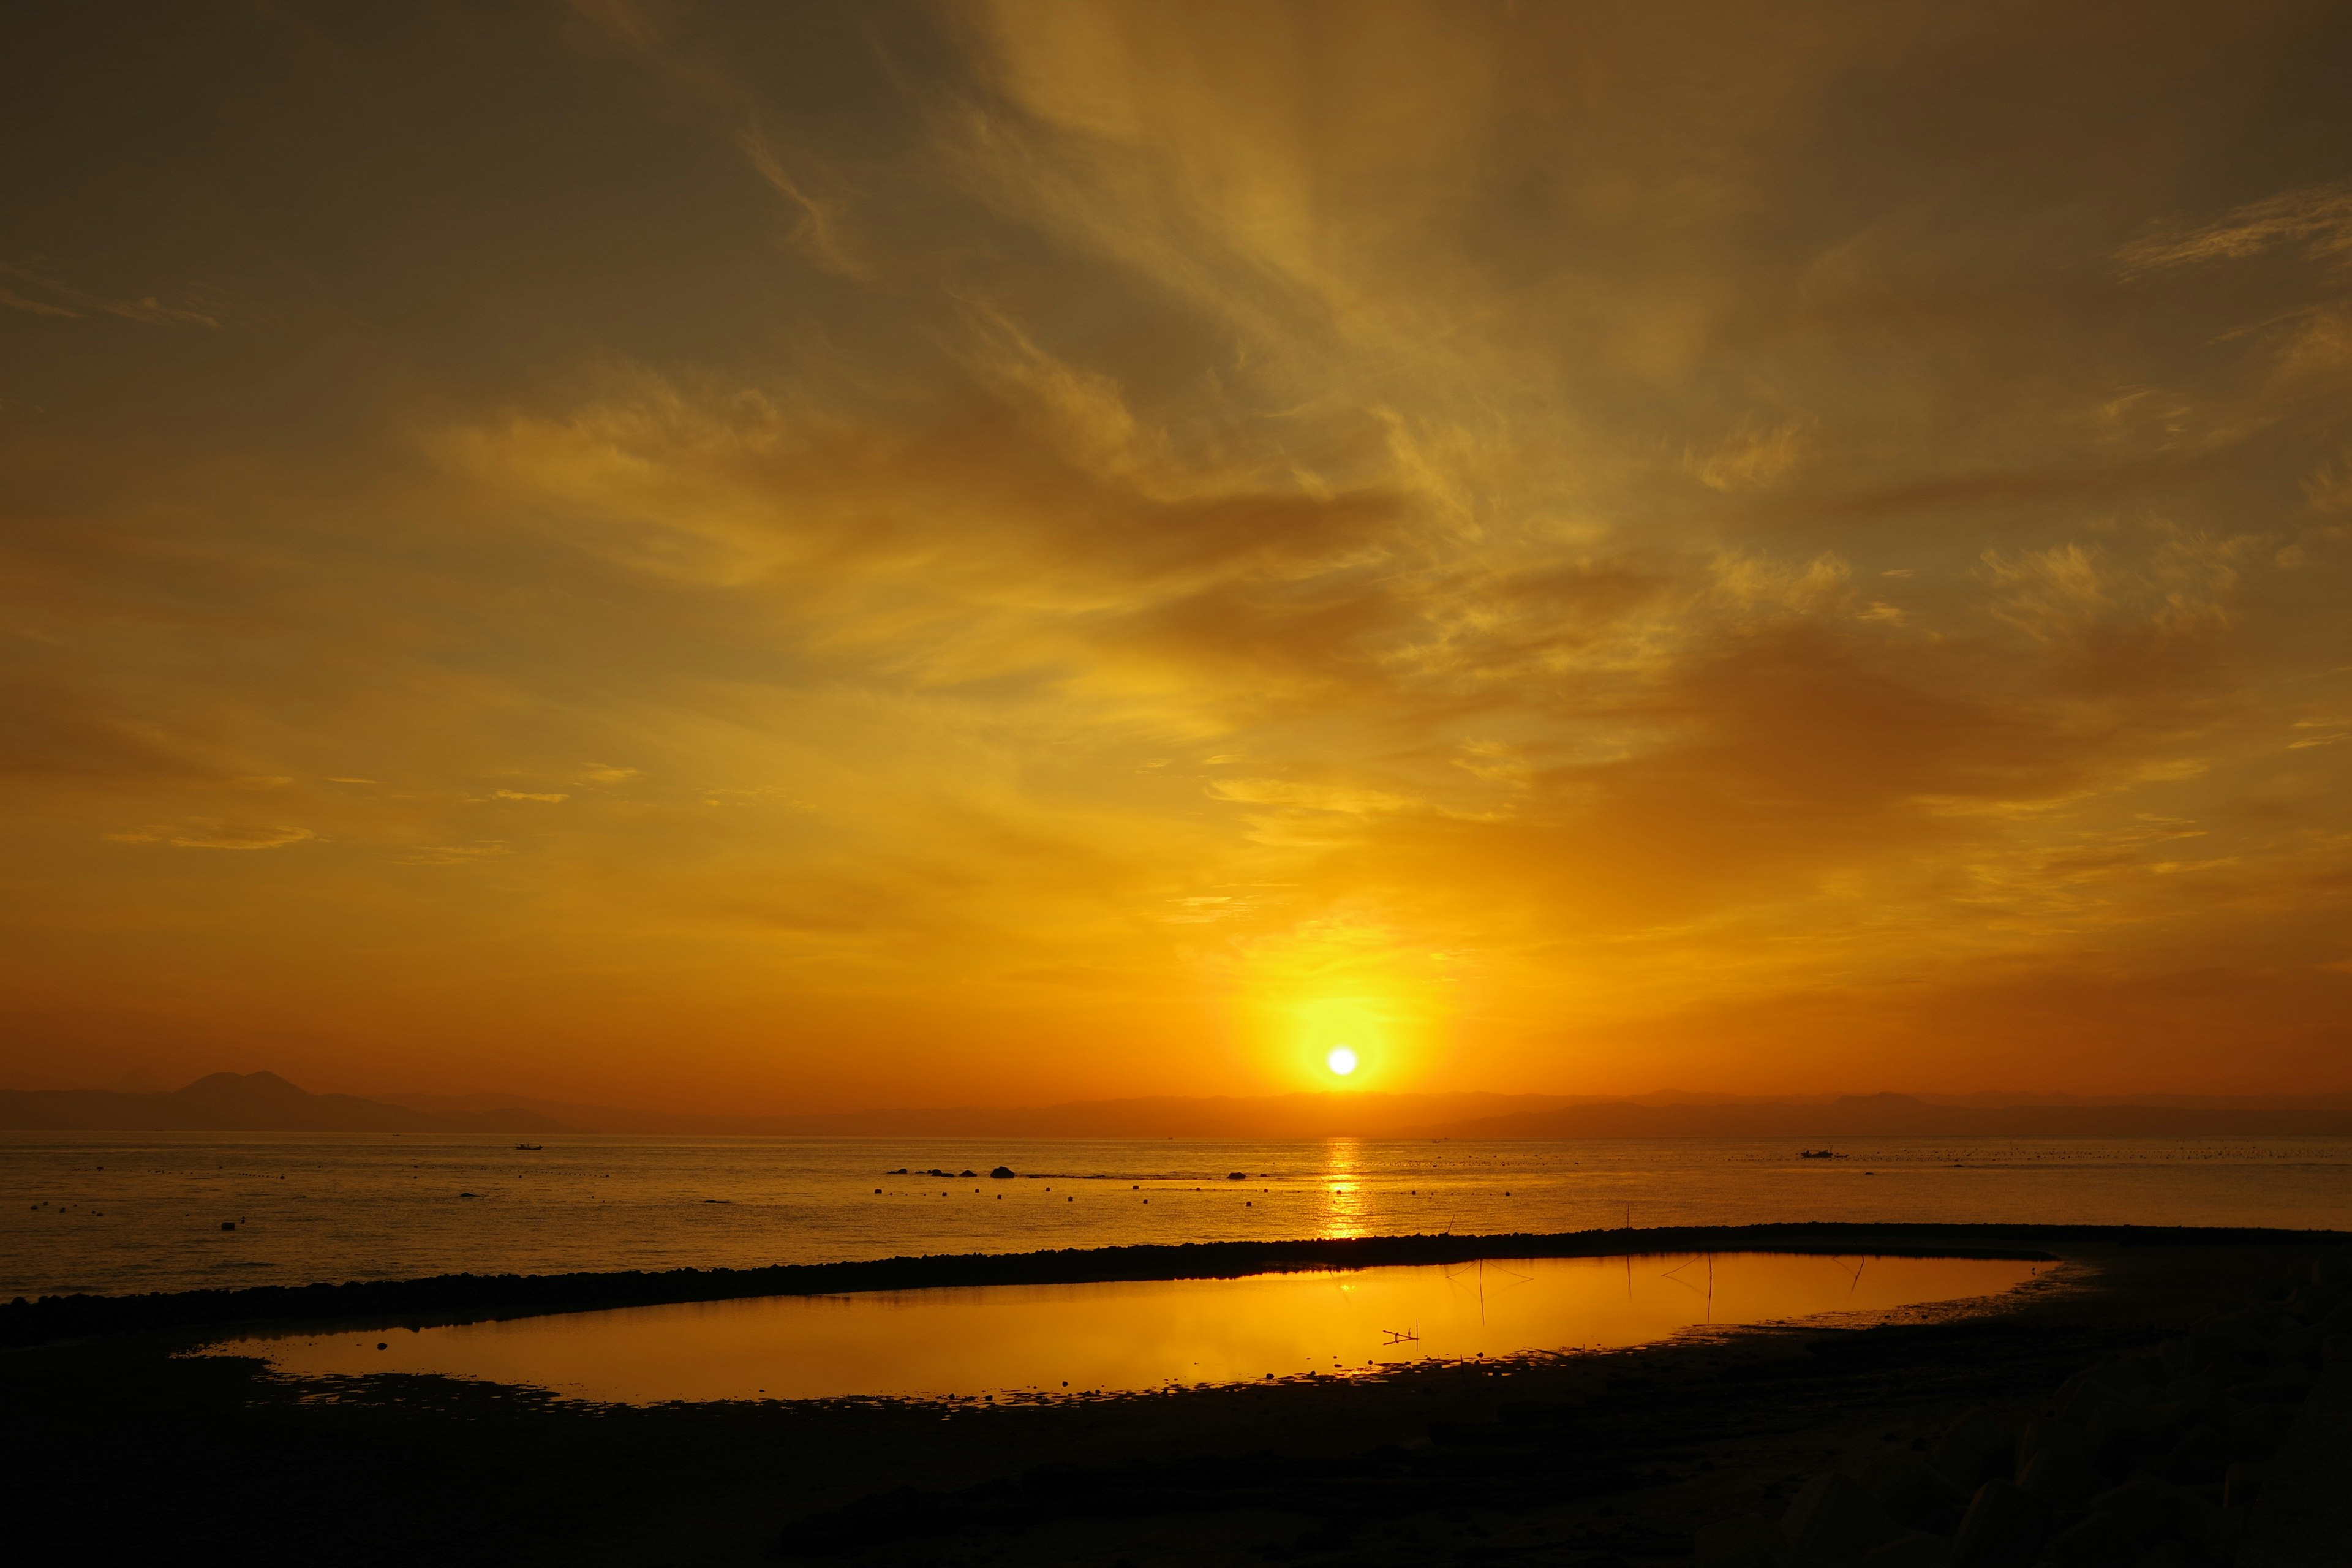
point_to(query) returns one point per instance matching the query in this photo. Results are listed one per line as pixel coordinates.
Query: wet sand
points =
(118, 1451)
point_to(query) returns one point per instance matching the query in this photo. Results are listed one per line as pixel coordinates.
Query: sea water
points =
(116, 1213)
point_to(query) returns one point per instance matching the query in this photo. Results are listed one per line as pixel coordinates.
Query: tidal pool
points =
(1026, 1342)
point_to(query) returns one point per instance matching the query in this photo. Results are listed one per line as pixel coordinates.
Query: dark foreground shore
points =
(117, 1451)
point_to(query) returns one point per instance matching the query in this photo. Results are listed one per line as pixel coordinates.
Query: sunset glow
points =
(801, 558)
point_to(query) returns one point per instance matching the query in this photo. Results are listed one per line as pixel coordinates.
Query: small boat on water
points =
(1819, 1155)
(534, 1148)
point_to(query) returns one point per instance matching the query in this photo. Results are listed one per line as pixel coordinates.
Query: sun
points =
(1338, 1044)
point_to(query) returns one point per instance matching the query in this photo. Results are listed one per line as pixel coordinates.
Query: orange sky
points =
(798, 557)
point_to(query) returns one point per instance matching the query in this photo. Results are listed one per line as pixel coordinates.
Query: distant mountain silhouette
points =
(1665, 1114)
(244, 1102)
(1165, 1116)
(1906, 1116)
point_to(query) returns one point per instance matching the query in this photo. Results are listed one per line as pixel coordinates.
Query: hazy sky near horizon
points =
(795, 557)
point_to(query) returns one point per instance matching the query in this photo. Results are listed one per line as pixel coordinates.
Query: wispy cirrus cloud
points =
(453, 853)
(210, 833)
(64, 299)
(2316, 221)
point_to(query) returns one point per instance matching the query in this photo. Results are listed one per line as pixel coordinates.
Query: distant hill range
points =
(1666, 1114)
(1912, 1116)
(1255, 1117)
(243, 1102)
(264, 1102)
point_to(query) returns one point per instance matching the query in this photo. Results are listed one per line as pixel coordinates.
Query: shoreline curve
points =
(456, 1298)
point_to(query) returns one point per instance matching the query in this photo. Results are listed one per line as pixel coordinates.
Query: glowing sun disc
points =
(1342, 1060)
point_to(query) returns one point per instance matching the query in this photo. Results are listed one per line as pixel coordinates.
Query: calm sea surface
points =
(122, 1213)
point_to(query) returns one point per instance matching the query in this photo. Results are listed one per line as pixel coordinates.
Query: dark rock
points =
(2205, 1392)
(1912, 1549)
(2287, 1388)
(1975, 1449)
(2098, 1541)
(2213, 1529)
(2141, 1495)
(2143, 1510)
(2061, 1478)
(2003, 1529)
(2052, 1436)
(2254, 1430)
(2202, 1456)
(1751, 1542)
(1834, 1517)
(2124, 1428)
(1914, 1492)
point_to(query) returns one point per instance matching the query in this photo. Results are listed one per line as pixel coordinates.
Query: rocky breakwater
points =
(2159, 1459)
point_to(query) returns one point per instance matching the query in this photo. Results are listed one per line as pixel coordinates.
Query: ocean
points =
(116, 1213)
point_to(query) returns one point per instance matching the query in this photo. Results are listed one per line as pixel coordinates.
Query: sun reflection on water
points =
(1345, 1206)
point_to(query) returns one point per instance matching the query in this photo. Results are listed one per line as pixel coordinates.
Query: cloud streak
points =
(2315, 222)
(69, 301)
(209, 832)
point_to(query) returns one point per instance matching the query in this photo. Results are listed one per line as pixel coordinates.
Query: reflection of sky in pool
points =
(1024, 1340)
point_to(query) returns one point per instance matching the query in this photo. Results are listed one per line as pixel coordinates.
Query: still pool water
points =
(1017, 1342)
(113, 1214)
